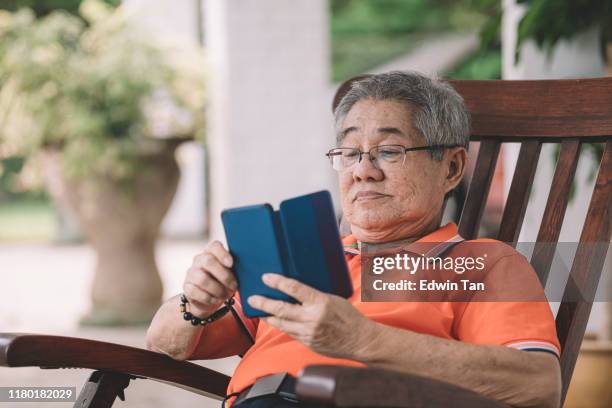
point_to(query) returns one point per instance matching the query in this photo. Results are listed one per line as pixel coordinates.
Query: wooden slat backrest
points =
(569, 112)
(558, 198)
(518, 196)
(548, 110)
(479, 188)
(586, 269)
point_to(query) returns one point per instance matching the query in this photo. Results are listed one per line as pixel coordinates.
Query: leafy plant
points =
(546, 21)
(102, 92)
(549, 21)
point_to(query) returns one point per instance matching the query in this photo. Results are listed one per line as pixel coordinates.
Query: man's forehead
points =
(394, 112)
(378, 118)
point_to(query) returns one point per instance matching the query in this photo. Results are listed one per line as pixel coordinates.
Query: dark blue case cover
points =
(300, 241)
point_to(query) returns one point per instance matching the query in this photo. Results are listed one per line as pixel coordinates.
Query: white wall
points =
(270, 117)
(579, 58)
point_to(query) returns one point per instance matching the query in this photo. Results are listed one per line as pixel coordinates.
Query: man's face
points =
(385, 201)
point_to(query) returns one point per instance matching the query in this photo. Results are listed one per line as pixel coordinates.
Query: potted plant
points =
(549, 21)
(100, 109)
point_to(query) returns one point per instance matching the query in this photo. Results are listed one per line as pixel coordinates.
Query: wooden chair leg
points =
(102, 388)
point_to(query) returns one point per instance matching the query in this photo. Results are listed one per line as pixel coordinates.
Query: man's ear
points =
(457, 159)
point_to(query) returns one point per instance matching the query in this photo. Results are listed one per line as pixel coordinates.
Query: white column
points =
(269, 118)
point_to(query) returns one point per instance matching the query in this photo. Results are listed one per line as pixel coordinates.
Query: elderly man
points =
(401, 148)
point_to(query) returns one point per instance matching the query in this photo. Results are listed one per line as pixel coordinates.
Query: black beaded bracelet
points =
(195, 321)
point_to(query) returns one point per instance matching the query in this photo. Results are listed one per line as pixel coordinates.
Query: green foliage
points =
(354, 54)
(484, 15)
(365, 33)
(10, 186)
(44, 7)
(101, 92)
(485, 64)
(545, 21)
(550, 21)
(386, 16)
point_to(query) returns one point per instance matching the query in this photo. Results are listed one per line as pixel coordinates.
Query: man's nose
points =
(367, 170)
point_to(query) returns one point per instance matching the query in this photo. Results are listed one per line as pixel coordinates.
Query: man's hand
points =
(209, 281)
(328, 324)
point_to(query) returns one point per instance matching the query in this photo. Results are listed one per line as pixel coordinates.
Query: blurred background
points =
(127, 126)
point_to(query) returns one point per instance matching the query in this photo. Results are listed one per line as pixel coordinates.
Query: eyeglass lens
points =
(346, 157)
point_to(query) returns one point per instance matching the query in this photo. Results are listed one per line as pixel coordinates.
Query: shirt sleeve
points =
(517, 316)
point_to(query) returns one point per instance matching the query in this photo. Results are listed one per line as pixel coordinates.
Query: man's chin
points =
(371, 220)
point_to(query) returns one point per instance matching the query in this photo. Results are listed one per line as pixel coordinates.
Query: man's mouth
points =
(368, 195)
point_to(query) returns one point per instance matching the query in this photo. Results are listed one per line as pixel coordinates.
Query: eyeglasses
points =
(342, 158)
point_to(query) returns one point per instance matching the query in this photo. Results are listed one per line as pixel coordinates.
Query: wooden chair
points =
(569, 112)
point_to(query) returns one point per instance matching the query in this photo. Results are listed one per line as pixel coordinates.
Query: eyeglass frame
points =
(330, 155)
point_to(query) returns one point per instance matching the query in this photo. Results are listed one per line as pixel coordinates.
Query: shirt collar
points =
(443, 237)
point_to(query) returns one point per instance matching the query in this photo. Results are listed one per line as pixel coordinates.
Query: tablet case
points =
(300, 241)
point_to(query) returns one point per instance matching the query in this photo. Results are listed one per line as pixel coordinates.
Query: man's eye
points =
(350, 153)
(388, 153)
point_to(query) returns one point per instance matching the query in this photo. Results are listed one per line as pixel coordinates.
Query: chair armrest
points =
(374, 387)
(32, 350)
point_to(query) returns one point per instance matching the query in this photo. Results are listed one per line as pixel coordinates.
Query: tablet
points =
(300, 241)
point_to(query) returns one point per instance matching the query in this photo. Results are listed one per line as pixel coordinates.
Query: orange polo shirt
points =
(521, 325)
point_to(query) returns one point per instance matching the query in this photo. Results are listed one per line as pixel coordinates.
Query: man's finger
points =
(200, 297)
(278, 308)
(206, 282)
(222, 275)
(295, 289)
(218, 250)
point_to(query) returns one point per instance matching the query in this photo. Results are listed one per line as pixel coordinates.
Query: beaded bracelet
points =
(195, 321)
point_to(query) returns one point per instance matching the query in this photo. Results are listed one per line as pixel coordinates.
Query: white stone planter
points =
(121, 222)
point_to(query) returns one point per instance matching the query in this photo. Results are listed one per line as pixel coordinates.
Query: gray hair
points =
(439, 113)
